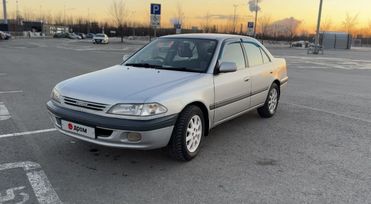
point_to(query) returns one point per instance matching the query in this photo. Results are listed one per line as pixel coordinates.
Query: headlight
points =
(56, 96)
(138, 109)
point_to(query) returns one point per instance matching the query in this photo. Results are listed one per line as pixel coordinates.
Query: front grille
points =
(85, 104)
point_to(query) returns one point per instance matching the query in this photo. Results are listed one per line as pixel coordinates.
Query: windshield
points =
(180, 54)
(99, 35)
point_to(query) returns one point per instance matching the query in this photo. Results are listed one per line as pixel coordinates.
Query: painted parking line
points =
(328, 112)
(40, 184)
(27, 133)
(4, 113)
(11, 92)
(11, 194)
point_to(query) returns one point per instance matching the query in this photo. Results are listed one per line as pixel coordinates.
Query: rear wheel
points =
(187, 135)
(271, 103)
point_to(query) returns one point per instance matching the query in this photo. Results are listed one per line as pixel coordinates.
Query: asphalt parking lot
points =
(315, 150)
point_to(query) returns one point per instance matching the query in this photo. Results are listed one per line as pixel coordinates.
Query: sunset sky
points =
(194, 10)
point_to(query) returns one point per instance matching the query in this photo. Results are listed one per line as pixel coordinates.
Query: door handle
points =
(246, 79)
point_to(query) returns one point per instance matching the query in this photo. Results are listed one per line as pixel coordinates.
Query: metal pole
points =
(88, 28)
(256, 17)
(64, 15)
(5, 14)
(17, 11)
(316, 49)
(234, 17)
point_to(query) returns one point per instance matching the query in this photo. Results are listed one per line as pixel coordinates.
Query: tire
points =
(271, 103)
(188, 123)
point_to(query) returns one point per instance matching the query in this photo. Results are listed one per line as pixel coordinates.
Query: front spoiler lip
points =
(110, 123)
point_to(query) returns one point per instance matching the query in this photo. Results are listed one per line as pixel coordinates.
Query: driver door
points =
(232, 90)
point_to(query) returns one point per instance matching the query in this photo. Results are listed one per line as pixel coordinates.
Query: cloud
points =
(217, 16)
(254, 5)
(288, 21)
(285, 27)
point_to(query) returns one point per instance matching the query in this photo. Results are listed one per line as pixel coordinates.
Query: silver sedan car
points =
(170, 93)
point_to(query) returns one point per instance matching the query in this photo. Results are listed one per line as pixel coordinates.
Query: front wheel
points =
(271, 103)
(187, 135)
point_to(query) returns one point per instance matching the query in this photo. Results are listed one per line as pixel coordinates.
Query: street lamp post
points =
(317, 45)
(5, 14)
(256, 16)
(234, 17)
(64, 13)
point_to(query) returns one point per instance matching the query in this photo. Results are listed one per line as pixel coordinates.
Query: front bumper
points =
(113, 132)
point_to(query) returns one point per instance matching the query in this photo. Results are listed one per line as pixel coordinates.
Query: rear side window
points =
(265, 56)
(254, 55)
(233, 53)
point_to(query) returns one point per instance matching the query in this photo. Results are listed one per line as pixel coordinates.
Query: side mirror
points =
(125, 57)
(226, 67)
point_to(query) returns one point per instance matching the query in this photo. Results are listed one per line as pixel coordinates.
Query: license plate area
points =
(78, 129)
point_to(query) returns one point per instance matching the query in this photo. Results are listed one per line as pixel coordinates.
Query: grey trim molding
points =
(285, 80)
(234, 99)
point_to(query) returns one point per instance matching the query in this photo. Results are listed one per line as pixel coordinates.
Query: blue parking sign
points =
(155, 9)
(250, 24)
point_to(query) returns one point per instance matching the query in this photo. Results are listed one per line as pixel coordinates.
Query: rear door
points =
(232, 90)
(261, 72)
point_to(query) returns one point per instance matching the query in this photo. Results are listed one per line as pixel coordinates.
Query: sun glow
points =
(198, 12)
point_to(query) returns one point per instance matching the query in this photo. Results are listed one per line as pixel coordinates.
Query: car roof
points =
(213, 36)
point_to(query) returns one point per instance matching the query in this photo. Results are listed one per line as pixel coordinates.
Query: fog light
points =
(134, 136)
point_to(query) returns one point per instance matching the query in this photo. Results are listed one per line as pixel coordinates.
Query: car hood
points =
(122, 84)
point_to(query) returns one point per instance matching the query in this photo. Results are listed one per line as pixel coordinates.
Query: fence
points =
(362, 42)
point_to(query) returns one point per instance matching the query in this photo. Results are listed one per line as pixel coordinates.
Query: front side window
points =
(178, 54)
(254, 54)
(233, 53)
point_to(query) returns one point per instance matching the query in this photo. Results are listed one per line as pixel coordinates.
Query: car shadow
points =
(221, 145)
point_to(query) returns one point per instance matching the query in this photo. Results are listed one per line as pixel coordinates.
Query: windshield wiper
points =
(187, 69)
(145, 65)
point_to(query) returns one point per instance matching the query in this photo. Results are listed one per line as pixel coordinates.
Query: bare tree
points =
(48, 17)
(292, 27)
(118, 12)
(58, 18)
(265, 22)
(228, 27)
(350, 23)
(205, 26)
(179, 17)
(28, 14)
(327, 24)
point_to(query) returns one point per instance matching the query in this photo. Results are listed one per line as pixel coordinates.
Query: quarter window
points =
(233, 53)
(265, 56)
(254, 54)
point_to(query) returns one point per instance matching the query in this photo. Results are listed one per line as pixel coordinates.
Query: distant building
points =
(4, 27)
(54, 29)
(33, 26)
(18, 27)
(335, 40)
(14, 26)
